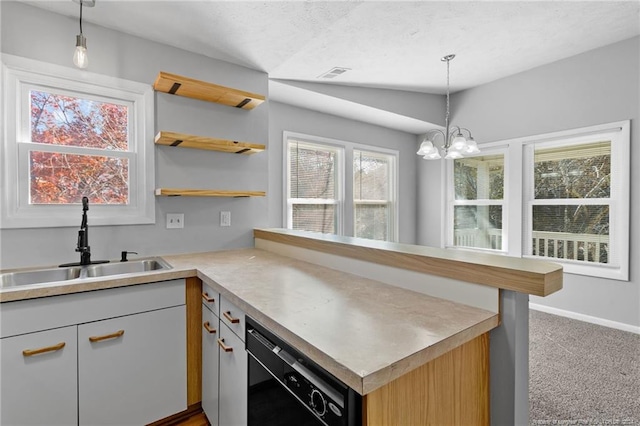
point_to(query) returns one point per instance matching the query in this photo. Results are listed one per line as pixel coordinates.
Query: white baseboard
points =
(586, 318)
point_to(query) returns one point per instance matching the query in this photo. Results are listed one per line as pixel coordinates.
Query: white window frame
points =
(392, 225)
(519, 186)
(452, 202)
(338, 201)
(19, 75)
(345, 188)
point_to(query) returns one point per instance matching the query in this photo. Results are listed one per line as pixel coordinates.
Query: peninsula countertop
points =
(364, 332)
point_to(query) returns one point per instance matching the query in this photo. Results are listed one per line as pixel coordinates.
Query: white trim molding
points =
(19, 75)
(585, 318)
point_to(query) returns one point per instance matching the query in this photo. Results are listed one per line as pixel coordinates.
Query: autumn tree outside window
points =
(71, 134)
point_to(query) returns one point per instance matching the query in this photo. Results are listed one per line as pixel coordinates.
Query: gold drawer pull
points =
(206, 297)
(31, 352)
(223, 346)
(231, 319)
(208, 327)
(115, 335)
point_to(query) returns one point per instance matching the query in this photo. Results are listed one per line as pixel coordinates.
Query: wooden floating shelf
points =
(184, 86)
(184, 140)
(174, 192)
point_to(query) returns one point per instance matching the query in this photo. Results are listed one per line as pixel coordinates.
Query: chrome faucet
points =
(83, 236)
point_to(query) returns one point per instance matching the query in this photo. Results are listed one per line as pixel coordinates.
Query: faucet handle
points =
(123, 255)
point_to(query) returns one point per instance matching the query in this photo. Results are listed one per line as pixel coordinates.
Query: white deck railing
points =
(558, 245)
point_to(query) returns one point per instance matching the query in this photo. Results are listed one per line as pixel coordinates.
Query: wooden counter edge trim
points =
(385, 376)
(530, 282)
(193, 291)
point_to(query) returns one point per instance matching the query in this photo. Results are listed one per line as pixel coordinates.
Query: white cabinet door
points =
(210, 357)
(233, 379)
(38, 378)
(132, 370)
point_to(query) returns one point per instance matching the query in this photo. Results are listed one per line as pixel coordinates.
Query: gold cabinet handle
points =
(208, 327)
(115, 335)
(223, 346)
(53, 348)
(231, 319)
(207, 298)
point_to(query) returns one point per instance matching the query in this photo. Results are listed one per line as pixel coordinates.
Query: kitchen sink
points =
(12, 279)
(79, 273)
(130, 267)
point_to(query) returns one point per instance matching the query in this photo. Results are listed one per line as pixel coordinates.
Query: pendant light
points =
(454, 143)
(80, 56)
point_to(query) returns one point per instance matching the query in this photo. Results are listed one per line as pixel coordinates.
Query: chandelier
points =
(454, 143)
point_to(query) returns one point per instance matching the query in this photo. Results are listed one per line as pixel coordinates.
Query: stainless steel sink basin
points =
(130, 267)
(11, 279)
(79, 273)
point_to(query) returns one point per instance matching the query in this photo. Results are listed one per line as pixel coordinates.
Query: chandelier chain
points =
(446, 118)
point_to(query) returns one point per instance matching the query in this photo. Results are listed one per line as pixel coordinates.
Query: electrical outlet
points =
(225, 218)
(175, 220)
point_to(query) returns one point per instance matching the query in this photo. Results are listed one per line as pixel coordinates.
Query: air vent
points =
(334, 72)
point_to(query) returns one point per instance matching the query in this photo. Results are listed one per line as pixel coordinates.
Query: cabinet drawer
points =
(27, 316)
(232, 316)
(39, 386)
(211, 299)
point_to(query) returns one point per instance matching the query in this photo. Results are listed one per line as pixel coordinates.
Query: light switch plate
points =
(225, 218)
(175, 220)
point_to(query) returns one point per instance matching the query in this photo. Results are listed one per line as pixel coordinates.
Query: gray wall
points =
(51, 38)
(599, 86)
(286, 117)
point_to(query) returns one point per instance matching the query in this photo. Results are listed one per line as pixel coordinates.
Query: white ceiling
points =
(386, 44)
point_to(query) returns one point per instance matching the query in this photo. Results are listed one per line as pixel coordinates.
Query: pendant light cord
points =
(80, 17)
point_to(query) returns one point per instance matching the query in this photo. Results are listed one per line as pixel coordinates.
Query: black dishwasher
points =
(286, 388)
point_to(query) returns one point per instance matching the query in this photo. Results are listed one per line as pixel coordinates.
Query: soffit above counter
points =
(311, 97)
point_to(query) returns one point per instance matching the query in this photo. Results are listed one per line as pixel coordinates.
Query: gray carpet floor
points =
(582, 373)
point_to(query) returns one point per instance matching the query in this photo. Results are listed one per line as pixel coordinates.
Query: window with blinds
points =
(313, 199)
(339, 187)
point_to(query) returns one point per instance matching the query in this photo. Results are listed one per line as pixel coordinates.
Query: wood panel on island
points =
(188, 87)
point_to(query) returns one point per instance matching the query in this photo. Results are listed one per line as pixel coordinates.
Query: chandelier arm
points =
(466, 130)
(436, 132)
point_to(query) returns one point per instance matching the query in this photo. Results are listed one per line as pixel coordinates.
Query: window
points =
(373, 203)
(71, 134)
(477, 202)
(574, 191)
(316, 184)
(314, 195)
